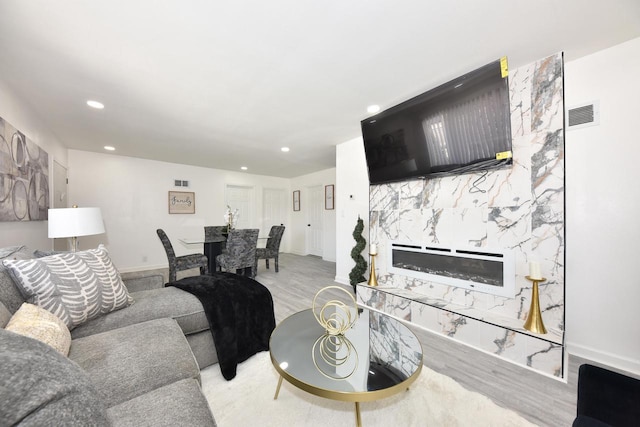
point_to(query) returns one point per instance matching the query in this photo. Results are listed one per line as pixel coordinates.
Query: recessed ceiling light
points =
(244, 168)
(95, 104)
(373, 109)
(285, 149)
(109, 148)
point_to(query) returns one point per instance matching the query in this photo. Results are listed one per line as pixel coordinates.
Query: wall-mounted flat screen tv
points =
(462, 126)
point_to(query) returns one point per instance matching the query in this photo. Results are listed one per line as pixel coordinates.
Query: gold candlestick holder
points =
(534, 318)
(373, 281)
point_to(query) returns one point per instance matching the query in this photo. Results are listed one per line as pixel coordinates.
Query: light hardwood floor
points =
(542, 400)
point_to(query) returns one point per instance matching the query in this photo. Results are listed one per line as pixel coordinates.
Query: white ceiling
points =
(226, 84)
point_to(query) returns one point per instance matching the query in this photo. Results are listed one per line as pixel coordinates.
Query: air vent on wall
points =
(180, 183)
(583, 115)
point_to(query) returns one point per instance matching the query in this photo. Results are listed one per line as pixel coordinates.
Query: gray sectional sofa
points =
(136, 366)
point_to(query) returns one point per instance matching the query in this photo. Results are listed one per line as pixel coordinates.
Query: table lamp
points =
(75, 222)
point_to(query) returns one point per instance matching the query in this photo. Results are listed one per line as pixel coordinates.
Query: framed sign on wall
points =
(329, 199)
(182, 202)
(296, 200)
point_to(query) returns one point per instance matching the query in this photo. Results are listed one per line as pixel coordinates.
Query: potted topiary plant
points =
(357, 272)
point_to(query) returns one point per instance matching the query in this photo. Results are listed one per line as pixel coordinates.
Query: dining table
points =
(213, 247)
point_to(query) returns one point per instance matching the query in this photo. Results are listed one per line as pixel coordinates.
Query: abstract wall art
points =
(24, 177)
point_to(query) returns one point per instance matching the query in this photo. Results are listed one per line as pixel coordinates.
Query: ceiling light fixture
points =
(95, 104)
(285, 149)
(244, 168)
(109, 148)
(372, 109)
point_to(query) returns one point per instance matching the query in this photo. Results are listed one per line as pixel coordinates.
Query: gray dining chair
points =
(272, 247)
(213, 231)
(184, 262)
(240, 254)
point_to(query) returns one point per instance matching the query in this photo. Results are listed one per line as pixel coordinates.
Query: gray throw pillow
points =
(75, 286)
(10, 295)
(40, 387)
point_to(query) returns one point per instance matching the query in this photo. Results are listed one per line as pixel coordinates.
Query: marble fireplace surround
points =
(519, 209)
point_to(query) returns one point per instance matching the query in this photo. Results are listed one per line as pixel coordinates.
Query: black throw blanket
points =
(240, 314)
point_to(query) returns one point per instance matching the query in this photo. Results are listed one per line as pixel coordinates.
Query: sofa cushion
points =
(5, 315)
(171, 302)
(37, 323)
(39, 386)
(127, 362)
(75, 286)
(178, 404)
(10, 295)
(143, 280)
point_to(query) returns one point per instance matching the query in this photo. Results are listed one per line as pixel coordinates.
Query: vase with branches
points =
(230, 218)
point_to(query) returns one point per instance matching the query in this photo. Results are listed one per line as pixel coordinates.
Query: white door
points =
(240, 198)
(59, 199)
(274, 208)
(314, 221)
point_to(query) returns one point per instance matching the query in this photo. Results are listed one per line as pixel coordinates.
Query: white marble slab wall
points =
(521, 209)
(393, 345)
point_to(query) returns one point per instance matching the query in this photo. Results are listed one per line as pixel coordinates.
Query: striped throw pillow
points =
(75, 286)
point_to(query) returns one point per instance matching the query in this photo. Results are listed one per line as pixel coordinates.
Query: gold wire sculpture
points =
(338, 354)
(343, 316)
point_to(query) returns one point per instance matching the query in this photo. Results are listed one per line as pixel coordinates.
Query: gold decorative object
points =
(373, 251)
(534, 318)
(336, 351)
(341, 319)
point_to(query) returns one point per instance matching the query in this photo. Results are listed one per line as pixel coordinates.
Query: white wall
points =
(133, 193)
(299, 218)
(603, 209)
(18, 113)
(352, 200)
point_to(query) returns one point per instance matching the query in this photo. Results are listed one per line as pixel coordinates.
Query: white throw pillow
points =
(38, 323)
(75, 286)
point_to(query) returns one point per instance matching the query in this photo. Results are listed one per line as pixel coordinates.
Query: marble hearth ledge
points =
(503, 337)
(515, 325)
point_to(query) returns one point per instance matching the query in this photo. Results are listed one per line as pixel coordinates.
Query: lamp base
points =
(74, 244)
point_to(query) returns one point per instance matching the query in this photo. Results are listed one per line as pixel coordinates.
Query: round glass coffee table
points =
(376, 358)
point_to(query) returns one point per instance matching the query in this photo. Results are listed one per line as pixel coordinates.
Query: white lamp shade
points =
(75, 222)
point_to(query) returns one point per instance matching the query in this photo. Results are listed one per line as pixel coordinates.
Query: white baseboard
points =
(143, 268)
(609, 359)
(342, 280)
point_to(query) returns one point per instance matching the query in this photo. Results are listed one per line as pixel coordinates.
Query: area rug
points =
(433, 400)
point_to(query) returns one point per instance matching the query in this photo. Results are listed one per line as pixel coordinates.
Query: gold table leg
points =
(278, 388)
(358, 419)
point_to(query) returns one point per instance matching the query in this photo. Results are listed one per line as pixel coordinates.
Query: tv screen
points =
(459, 127)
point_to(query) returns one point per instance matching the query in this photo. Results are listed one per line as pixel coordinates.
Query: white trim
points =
(342, 280)
(608, 359)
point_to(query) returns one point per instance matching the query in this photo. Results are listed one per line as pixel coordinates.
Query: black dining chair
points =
(184, 262)
(272, 247)
(240, 253)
